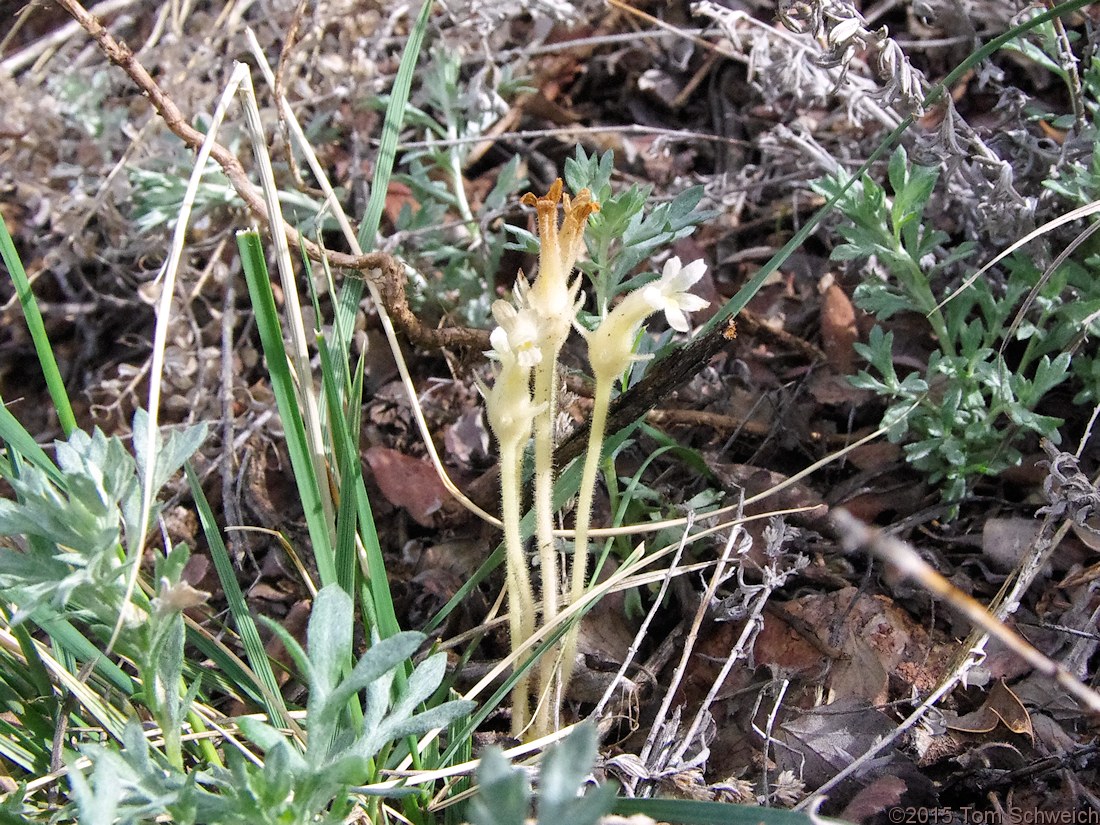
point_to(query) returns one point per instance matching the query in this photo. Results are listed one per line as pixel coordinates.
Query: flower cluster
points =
(553, 298)
(530, 332)
(515, 351)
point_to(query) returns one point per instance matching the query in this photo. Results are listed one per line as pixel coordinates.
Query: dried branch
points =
(855, 534)
(384, 270)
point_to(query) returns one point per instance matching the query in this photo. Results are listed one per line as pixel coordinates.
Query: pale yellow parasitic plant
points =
(523, 402)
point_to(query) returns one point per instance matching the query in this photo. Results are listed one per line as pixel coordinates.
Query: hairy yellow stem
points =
(546, 394)
(521, 597)
(585, 494)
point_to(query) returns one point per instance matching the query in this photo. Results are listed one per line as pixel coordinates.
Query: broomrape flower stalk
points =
(511, 413)
(523, 400)
(526, 342)
(610, 354)
(554, 301)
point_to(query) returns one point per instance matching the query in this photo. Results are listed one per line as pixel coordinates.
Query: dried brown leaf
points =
(409, 483)
(838, 329)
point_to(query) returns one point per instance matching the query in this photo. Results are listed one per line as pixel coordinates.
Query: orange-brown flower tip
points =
(581, 207)
(550, 199)
(583, 210)
(585, 196)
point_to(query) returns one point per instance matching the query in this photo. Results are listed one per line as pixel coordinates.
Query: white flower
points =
(175, 598)
(516, 350)
(517, 336)
(670, 294)
(611, 344)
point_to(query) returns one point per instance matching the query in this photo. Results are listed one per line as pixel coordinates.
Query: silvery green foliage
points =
(486, 16)
(294, 785)
(830, 57)
(980, 407)
(994, 176)
(840, 26)
(75, 529)
(504, 795)
(811, 67)
(157, 196)
(451, 111)
(969, 430)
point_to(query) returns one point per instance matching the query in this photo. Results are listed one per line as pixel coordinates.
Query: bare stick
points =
(384, 270)
(27, 56)
(900, 555)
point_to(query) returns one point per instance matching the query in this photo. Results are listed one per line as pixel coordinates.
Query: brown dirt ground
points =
(844, 646)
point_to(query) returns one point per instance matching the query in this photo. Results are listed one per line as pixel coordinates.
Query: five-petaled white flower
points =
(670, 293)
(611, 344)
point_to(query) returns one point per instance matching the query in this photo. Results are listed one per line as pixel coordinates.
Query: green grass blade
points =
(90, 694)
(352, 291)
(23, 695)
(250, 636)
(23, 444)
(282, 383)
(37, 329)
(378, 582)
(355, 509)
(75, 644)
(32, 669)
(376, 565)
(355, 396)
(347, 461)
(229, 674)
(346, 523)
(391, 128)
(19, 747)
(222, 672)
(339, 336)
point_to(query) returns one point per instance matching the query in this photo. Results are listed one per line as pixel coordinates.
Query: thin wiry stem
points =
(662, 722)
(643, 630)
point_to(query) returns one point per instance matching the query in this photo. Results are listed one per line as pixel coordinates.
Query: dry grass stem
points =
(643, 629)
(775, 574)
(656, 752)
(908, 562)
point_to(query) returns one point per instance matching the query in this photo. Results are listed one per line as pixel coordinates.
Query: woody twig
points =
(903, 558)
(386, 271)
